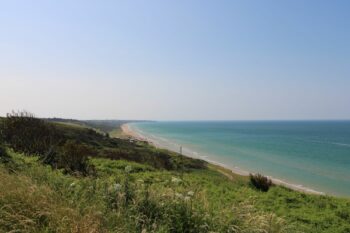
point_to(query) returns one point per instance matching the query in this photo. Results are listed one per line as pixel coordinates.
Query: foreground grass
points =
(31, 200)
(131, 197)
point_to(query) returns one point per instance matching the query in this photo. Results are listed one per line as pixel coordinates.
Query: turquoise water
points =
(314, 154)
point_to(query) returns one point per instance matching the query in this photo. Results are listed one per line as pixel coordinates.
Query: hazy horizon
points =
(183, 60)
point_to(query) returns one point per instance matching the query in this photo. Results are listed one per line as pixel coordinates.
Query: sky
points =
(176, 60)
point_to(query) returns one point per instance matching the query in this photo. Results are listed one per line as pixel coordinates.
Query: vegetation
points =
(69, 145)
(260, 182)
(38, 199)
(88, 182)
(4, 157)
(28, 134)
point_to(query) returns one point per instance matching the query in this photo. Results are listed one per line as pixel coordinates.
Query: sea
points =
(310, 154)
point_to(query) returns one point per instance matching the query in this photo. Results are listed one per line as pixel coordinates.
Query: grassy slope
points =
(37, 199)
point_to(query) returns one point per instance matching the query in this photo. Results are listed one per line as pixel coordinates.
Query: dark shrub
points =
(73, 158)
(260, 182)
(51, 157)
(27, 134)
(4, 157)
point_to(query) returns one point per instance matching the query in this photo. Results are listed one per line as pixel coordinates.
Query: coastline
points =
(132, 134)
(235, 170)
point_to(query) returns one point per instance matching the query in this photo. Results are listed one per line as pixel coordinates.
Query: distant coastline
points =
(127, 130)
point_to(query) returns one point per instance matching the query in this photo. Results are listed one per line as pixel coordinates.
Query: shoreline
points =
(236, 170)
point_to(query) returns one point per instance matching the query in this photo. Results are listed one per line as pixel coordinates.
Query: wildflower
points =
(117, 187)
(175, 180)
(187, 198)
(179, 195)
(154, 226)
(128, 169)
(190, 193)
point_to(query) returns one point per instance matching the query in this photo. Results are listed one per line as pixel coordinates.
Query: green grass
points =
(33, 198)
(36, 198)
(112, 167)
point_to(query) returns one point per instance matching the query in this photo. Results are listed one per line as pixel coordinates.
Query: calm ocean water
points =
(315, 154)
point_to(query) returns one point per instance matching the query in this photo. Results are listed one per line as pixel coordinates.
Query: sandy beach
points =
(127, 130)
(134, 135)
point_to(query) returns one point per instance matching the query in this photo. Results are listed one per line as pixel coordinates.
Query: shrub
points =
(260, 182)
(27, 134)
(73, 158)
(4, 157)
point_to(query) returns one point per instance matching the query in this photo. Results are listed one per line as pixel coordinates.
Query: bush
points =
(27, 134)
(260, 182)
(73, 158)
(4, 157)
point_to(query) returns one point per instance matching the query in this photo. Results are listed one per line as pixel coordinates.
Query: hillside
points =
(70, 177)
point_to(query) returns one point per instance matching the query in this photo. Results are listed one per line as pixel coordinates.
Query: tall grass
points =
(30, 207)
(36, 198)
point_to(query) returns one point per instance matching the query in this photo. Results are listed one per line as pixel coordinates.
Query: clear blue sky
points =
(176, 60)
